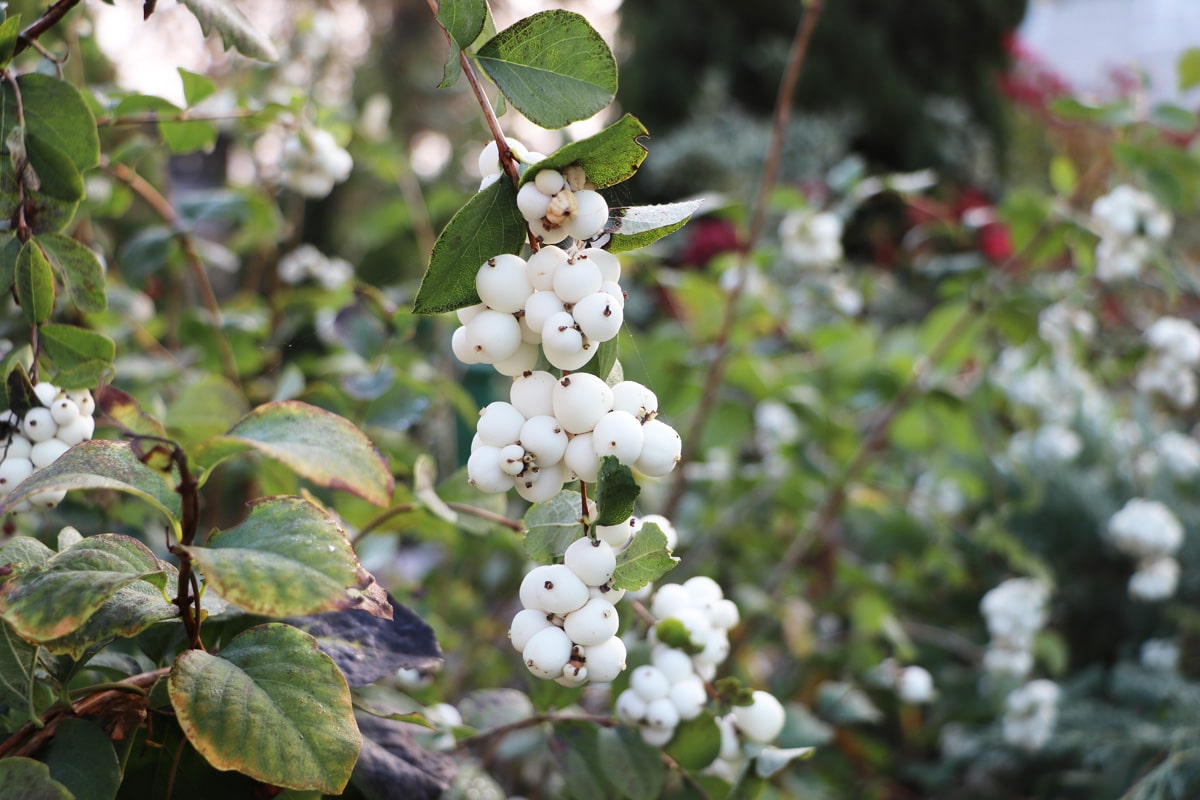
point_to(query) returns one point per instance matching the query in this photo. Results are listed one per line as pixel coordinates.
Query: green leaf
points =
(18, 670)
(487, 226)
(1189, 69)
(1173, 118)
(576, 749)
(287, 558)
(616, 492)
(645, 559)
(55, 114)
(551, 527)
(315, 444)
(637, 766)
(9, 31)
(125, 412)
(10, 248)
(35, 283)
(553, 67)
(100, 464)
(83, 759)
(188, 136)
(206, 407)
(639, 226)
(463, 20)
(124, 614)
(1063, 176)
(465, 11)
(697, 742)
(19, 394)
(271, 706)
(47, 602)
(69, 345)
(609, 157)
(196, 87)
(78, 269)
(83, 374)
(672, 633)
(27, 779)
(236, 31)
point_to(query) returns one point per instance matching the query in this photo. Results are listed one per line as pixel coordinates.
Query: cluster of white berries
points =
(811, 239)
(35, 441)
(568, 304)
(559, 429)
(912, 684)
(1014, 612)
(1170, 368)
(567, 630)
(1030, 713)
(1149, 532)
(307, 262)
(313, 162)
(1130, 223)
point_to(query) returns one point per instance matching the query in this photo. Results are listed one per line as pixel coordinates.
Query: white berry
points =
(592, 561)
(580, 400)
(512, 459)
(590, 216)
(485, 472)
(545, 439)
(580, 457)
(532, 202)
(554, 589)
(618, 433)
(78, 431)
(12, 472)
(43, 454)
(599, 316)
(493, 335)
(605, 661)
(630, 707)
(592, 625)
(525, 624)
(762, 720)
(575, 280)
(547, 652)
(503, 283)
(549, 182)
(532, 393)
(542, 265)
(499, 424)
(649, 682)
(661, 449)
(46, 393)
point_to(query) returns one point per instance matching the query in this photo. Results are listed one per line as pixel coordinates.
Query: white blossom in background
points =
(312, 163)
(307, 261)
(1130, 223)
(1178, 453)
(811, 239)
(1049, 445)
(1160, 654)
(1149, 532)
(1170, 369)
(1155, 580)
(1030, 713)
(1014, 612)
(1060, 326)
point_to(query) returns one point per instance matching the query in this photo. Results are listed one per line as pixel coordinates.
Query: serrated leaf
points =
(69, 345)
(236, 31)
(616, 492)
(637, 767)
(1189, 69)
(100, 464)
(697, 742)
(272, 706)
(196, 87)
(368, 648)
(645, 559)
(551, 527)
(289, 557)
(27, 779)
(317, 445)
(35, 283)
(487, 226)
(83, 759)
(638, 226)
(47, 602)
(609, 157)
(552, 66)
(78, 269)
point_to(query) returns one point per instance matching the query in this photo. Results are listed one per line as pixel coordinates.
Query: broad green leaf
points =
(271, 706)
(188, 136)
(551, 527)
(35, 283)
(1173, 118)
(577, 756)
(1189, 69)
(25, 550)
(10, 248)
(697, 742)
(645, 559)
(639, 226)
(18, 669)
(56, 114)
(1063, 176)
(462, 20)
(236, 31)
(636, 766)
(287, 558)
(47, 602)
(125, 412)
(100, 464)
(487, 226)
(18, 390)
(616, 492)
(453, 68)
(78, 269)
(609, 157)
(315, 444)
(69, 345)
(9, 31)
(196, 87)
(83, 759)
(553, 67)
(83, 374)
(206, 407)
(27, 779)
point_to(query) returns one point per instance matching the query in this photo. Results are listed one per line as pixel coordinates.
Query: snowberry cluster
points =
(567, 630)
(62, 420)
(1030, 713)
(313, 162)
(559, 429)
(759, 723)
(1148, 531)
(1014, 611)
(560, 204)
(912, 684)
(1170, 369)
(1130, 223)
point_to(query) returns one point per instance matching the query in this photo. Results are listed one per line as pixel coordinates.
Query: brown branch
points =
(52, 16)
(161, 206)
(490, 516)
(154, 117)
(770, 175)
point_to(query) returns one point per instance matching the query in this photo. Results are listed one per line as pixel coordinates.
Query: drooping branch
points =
(52, 16)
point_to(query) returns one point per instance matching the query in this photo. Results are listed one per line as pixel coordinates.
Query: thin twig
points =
(501, 731)
(52, 16)
(161, 206)
(154, 116)
(490, 516)
(770, 175)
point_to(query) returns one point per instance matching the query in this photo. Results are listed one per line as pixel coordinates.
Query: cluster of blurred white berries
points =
(33, 442)
(567, 630)
(1170, 368)
(1014, 612)
(313, 162)
(559, 429)
(1030, 713)
(1131, 224)
(1149, 532)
